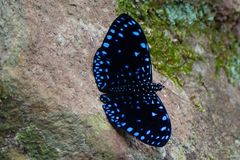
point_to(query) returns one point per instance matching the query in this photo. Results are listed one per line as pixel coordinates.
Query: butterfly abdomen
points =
(137, 88)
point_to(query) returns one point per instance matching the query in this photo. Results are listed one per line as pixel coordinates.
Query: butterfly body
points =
(122, 70)
(137, 88)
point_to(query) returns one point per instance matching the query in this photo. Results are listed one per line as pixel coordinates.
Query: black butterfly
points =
(122, 69)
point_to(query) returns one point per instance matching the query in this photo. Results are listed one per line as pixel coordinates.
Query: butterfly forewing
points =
(123, 57)
(143, 116)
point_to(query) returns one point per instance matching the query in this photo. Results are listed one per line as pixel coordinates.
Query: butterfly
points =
(122, 70)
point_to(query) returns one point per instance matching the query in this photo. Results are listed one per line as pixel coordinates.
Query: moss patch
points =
(11, 118)
(169, 24)
(171, 56)
(73, 134)
(35, 144)
(226, 49)
(12, 154)
(197, 104)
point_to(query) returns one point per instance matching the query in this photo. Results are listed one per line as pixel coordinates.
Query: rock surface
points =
(46, 51)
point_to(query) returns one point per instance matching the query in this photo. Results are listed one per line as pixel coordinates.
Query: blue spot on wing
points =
(143, 45)
(136, 33)
(109, 37)
(148, 132)
(106, 44)
(120, 35)
(123, 124)
(136, 134)
(164, 118)
(112, 30)
(129, 129)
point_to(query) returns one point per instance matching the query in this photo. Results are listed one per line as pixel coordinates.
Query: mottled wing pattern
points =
(123, 57)
(143, 116)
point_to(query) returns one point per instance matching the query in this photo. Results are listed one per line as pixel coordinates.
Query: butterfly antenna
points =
(174, 93)
(164, 82)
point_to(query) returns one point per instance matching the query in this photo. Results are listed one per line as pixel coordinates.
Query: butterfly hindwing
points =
(123, 57)
(143, 116)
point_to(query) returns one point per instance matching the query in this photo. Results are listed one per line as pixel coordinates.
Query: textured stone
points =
(46, 51)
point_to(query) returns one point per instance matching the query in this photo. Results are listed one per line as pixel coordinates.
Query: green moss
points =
(35, 144)
(170, 56)
(11, 116)
(171, 59)
(14, 115)
(171, 53)
(210, 157)
(3, 156)
(75, 135)
(197, 104)
(12, 154)
(11, 120)
(226, 50)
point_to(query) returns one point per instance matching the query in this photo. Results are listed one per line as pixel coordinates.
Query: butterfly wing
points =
(143, 116)
(123, 57)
